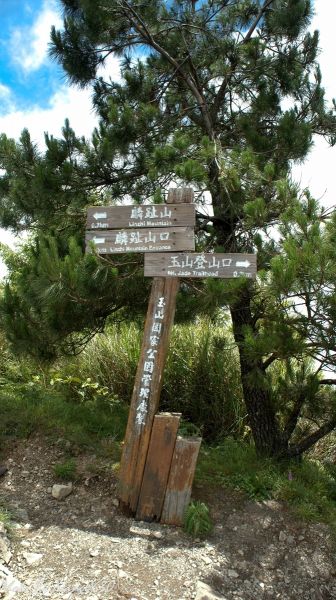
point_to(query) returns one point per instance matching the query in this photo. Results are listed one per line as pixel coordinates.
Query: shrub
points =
(197, 521)
(201, 377)
(66, 470)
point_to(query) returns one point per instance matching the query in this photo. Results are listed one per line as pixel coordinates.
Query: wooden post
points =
(148, 380)
(159, 457)
(180, 480)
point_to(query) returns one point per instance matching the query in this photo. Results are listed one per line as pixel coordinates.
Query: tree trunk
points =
(263, 421)
(261, 414)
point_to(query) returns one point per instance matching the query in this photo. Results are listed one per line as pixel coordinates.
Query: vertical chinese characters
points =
(149, 362)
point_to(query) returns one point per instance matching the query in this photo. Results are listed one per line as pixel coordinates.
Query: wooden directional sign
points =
(145, 240)
(155, 215)
(201, 265)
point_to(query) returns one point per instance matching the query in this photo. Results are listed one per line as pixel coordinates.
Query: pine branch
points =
(141, 27)
(311, 439)
(259, 16)
(293, 417)
(327, 382)
(269, 361)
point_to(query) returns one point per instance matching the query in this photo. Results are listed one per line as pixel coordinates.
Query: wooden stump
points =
(159, 457)
(180, 480)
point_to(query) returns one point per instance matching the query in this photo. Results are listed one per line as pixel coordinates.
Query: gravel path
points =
(83, 548)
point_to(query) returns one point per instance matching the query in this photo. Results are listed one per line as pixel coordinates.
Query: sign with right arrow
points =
(200, 265)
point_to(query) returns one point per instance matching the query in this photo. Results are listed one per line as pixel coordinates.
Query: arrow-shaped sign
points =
(97, 240)
(243, 263)
(98, 216)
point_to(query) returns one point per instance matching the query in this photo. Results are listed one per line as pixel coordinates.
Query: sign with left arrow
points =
(118, 241)
(140, 216)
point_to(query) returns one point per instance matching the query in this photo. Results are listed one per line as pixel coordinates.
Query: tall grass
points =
(27, 410)
(201, 377)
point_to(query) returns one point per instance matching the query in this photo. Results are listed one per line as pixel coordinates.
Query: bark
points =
(261, 414)
(257, 397)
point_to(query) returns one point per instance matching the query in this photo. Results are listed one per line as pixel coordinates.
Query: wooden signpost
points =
(154, 215)
(157, 466)
(200, 265)
(142, 240)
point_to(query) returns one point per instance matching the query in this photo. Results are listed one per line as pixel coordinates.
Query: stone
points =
(94, 552)
(140, 531)
(115, 502)
(32, 558)
(233, 574)
(207, 560)
(282, 536)
(122, 574)
(5, 553)
(60, 490)
(205, 592)
(4, 572)
(11, 586)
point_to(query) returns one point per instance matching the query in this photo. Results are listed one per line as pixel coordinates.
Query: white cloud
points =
(4, 91)
(29, 45)
(5, 98)
(10, 240)
(71, 103)
(318, 172)
(110, 69)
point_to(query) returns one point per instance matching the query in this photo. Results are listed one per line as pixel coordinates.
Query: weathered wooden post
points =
(149, 377)
(181, 476)
(157, 468)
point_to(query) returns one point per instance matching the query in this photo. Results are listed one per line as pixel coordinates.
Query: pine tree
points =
(222, 95)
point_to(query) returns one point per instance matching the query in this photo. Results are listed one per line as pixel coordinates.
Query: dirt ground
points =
(84, 548)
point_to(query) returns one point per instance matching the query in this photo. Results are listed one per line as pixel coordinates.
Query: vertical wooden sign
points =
(149, 377)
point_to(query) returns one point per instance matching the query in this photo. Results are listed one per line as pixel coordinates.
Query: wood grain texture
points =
(138, 434)
(140, 216)
(158, 461)
(142, 410)
(180, 480)
(200, 265)
(119, 241)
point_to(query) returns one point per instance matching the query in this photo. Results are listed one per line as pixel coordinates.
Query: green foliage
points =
(308, 487)
(205, 106)
(29, 409)
(194, 382)
(197, 521)
(311, 492)
(5, 516)
(86, 391)
(67, 471)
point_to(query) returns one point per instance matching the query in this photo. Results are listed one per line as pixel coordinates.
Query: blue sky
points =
(33, 89)
(27, 76)
(34, 92)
